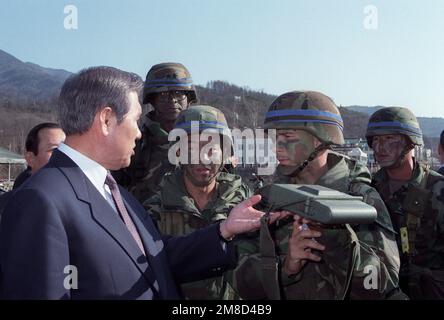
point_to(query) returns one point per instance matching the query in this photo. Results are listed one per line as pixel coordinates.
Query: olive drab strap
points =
(172, 223)
(407, 148)
(352, 262)
(269, 261)
(363, 190)
(165, 223)
(412, 224)
(311, 157)
(414, 205)
(409, 234)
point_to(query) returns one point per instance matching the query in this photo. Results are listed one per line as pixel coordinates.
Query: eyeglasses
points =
(177, 96)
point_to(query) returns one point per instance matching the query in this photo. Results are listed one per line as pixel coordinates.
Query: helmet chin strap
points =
(293, 171)
(400, 160)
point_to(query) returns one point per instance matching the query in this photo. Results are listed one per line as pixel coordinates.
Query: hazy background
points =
(274, 46)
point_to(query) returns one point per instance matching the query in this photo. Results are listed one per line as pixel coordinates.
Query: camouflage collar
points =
(342, 171)
(177, 197)
(382, 177)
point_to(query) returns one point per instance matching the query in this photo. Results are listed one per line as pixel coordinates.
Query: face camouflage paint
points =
(293, 147)
(204, 173)
(388, 149)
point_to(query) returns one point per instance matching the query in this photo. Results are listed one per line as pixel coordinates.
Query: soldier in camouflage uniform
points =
(197, 195)
(321, 262)
(414, 196)
(169, 89)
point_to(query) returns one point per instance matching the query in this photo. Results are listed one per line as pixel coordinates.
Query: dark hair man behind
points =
(72, 233)
(41, 140)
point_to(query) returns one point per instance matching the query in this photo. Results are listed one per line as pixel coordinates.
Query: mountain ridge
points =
(28, 95)
(25, 82)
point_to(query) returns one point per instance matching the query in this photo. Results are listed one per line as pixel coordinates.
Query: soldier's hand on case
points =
(300, 246)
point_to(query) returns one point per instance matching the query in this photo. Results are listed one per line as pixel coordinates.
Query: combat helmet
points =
(394, 120)
(210, 119)
(169, 76)
(310, 111)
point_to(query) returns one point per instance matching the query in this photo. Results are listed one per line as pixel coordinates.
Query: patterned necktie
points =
(112, 184)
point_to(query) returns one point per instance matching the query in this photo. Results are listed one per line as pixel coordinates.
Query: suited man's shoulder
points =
(54, 174)
(49, 180)
(48, 186)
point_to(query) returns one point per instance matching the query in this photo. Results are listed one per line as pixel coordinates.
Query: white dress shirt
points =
(94, 171)
(97, 175)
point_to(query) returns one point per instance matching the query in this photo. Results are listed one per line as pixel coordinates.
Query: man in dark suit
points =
(441, 152)
(41, 140)
(71, 233)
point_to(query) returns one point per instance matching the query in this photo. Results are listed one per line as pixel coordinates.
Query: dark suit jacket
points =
(4, 198)
(58, 219)
(441, 170)
(22, 177)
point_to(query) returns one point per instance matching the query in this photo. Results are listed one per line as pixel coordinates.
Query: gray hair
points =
(88, 91)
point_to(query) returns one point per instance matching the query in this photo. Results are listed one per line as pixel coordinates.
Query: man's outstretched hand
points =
(244, 218)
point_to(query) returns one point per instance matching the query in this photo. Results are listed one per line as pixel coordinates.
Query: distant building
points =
(11, 164)
(359, 155)
(254, 152)
(423, 155)
(357, 148)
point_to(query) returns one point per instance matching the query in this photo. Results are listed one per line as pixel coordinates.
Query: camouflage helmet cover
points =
(310, 111)
(169, 76)
(394, 120)
(210, 119)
